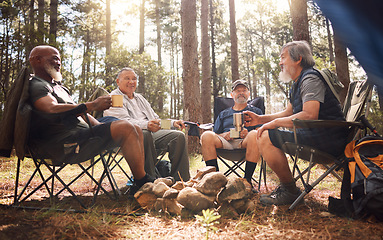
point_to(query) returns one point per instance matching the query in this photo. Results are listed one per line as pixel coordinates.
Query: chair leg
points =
(335, 174)
(116, 163)
(262, 170)
(15, 199)
(233, 168)
(44, 183)
(310, 187)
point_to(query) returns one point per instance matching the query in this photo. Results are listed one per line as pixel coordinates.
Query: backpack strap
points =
(327, 79)
(345, 192)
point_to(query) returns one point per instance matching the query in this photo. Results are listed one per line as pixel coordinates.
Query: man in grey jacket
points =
(137, 110)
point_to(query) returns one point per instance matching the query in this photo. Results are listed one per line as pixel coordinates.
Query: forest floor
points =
(123, 219)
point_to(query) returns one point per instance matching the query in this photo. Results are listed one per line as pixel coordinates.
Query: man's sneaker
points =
(280, 196)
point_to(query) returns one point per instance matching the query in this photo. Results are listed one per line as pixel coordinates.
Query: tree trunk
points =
(341, 63)
(329, 39)
(108, 45)
(40, 22)
(206, 73)
(213, 62)
(141, 84)
(142, 28)
(158, 23)
(234, 42)
(266, 72)
(53, 22)
(30, 29)
(298, 9)
(190, 75)
(161, 83)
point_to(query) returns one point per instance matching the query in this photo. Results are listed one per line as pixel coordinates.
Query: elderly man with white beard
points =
(62, 133)
(310, 98)
(221, 138)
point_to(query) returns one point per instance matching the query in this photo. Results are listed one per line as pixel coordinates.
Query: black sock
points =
(249, 170)
(212, 162)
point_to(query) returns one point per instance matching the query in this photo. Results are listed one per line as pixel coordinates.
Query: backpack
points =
(362, 185)
(332, 81)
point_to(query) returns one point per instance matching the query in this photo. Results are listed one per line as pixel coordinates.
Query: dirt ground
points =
(123, 219)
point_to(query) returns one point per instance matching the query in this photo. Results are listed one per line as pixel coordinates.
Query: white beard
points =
(240, 100)
(284, 76)
(53, 73)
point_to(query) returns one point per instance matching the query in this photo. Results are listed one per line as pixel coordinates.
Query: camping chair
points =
(234, 159)
(18, 109)
(358, 97)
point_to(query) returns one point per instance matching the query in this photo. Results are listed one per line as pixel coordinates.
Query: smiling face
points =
(127, 82)
(46, 62)
(52, 66)
(240, 94)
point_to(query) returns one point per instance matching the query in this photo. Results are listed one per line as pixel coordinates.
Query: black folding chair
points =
(234, 159)
(358, 97)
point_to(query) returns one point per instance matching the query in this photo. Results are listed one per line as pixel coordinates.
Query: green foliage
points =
(208, 219)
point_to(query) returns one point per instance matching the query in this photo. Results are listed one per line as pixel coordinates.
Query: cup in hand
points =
(117, 100)
(166, 124)
(238, 121)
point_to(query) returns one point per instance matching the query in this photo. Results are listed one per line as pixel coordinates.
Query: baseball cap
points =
(240, 82)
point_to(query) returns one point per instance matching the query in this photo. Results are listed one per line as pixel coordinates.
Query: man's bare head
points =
(46, 62)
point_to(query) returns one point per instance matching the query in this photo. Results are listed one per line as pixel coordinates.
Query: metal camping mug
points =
(238, 121)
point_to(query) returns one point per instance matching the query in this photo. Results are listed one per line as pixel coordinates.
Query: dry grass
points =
(308, 221)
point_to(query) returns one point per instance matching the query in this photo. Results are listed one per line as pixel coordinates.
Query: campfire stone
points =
(169, 181)
(146, 199)
(160, 188)
(178, 186)
(243, 205)
(145, 196)
(227, 210)
(172, 206)
(236, 188)
(159, 204)
(194, 200)
(168, 205)
(189, 184)
(147, 187)
(202, 172)
(211, 183)
(171, 193)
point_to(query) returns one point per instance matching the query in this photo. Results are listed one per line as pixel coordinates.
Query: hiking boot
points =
(280, 196)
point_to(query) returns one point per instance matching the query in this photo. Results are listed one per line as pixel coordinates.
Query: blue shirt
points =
(224, 121)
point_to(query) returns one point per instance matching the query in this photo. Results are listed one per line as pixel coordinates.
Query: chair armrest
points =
(324, 123)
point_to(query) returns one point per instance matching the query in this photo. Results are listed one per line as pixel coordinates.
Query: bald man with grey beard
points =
(49, 98)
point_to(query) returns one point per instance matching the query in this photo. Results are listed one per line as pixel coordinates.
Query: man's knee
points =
(264, 139)
(208, 137)
(148, 136)
(123, 127)
(178, 138)
(251, 136)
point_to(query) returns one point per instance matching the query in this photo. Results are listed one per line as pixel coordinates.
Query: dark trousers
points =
(172, 141)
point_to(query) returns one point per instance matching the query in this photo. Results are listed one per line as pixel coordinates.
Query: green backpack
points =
(332, 81)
